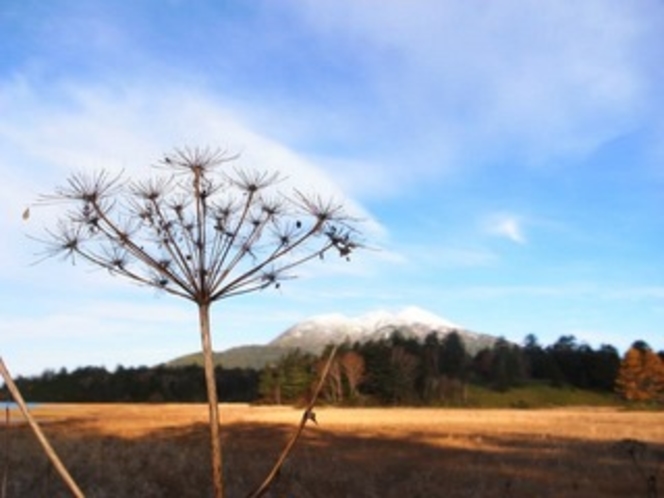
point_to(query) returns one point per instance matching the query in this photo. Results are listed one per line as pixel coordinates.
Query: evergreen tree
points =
(507, 365)
(290, 379)
(539, 363)
(430, 368)
(269, 384)
(405, 370)
(602, 367)
(453, 357)
(564, 353)
(380, 379)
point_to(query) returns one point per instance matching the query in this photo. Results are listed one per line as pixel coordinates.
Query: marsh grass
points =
(162, 451)
(539, 395)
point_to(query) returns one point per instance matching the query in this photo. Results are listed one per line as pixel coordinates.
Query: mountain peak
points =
(418, 315)
(314, 333)
(318, 331)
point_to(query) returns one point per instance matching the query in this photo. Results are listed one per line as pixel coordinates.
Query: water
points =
(15, 414)
(14, 406)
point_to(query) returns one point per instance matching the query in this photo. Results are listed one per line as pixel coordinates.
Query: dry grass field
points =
(161, 451)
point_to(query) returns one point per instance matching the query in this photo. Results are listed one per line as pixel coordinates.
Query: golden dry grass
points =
(161, 450)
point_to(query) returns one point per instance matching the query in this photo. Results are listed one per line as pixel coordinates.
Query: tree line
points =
(394, 371)
(137, 384)
(402, 370)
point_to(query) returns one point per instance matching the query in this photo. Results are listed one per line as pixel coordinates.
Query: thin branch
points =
(278, 253)
(113, 269)
(86, 187)
(251, 184)
(244, 249)
(220, 264)
(244, 286)
(115, 234)
(173, 248)
(307, 415)
(187, 160)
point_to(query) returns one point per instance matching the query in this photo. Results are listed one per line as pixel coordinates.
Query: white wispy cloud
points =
(44, 141)
(506, 225)
(534, 80)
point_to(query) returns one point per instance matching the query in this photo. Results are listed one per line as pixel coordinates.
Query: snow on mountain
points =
(316, 332)
(414, 314)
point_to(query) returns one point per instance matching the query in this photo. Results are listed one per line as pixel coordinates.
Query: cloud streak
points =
(532, 79)
(508, 226)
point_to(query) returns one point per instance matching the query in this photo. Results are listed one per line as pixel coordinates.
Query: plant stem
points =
(307, 415)
(211, 384)
(5, 472)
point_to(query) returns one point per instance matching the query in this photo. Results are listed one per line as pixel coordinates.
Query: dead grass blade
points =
(5, 470)
(307, 415)
(48, 449)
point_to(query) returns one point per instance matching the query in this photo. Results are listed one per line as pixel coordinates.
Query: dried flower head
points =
(199, 161)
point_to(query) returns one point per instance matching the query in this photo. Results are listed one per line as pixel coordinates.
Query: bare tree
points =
(204, 231)
(352, 364)
(333, 387)
(404, 366)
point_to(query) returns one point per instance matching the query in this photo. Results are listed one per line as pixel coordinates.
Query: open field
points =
(161, 451)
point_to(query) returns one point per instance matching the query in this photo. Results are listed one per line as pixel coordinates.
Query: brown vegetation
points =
(161, 451)
(641, 375)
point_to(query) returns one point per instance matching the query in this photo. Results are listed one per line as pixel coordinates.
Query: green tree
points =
(507, 365)
(453, 356)
(379, 381)
(431, 376)
(534, 356)
(404, 369)
(289, 379)
(603, 366)
(197, 233)
(269, 384)
(568, 362)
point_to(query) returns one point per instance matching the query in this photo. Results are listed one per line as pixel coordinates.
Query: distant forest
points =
(393, 371)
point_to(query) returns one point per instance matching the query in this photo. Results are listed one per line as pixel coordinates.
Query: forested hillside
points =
(393, 371)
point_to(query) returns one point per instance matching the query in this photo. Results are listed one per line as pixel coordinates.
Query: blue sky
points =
(507, 157)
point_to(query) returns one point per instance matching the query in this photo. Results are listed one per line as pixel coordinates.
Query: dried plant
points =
(307, 415)
(7, 450)
(637, 451)
(204, 231)
(34, 426)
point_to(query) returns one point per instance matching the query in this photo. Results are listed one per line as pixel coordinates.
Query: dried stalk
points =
(199, 233)
(307, 415)
(5, 472)
(48, 449)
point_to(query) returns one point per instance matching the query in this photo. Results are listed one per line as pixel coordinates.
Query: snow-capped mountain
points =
(313, 334)
(316, 332)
